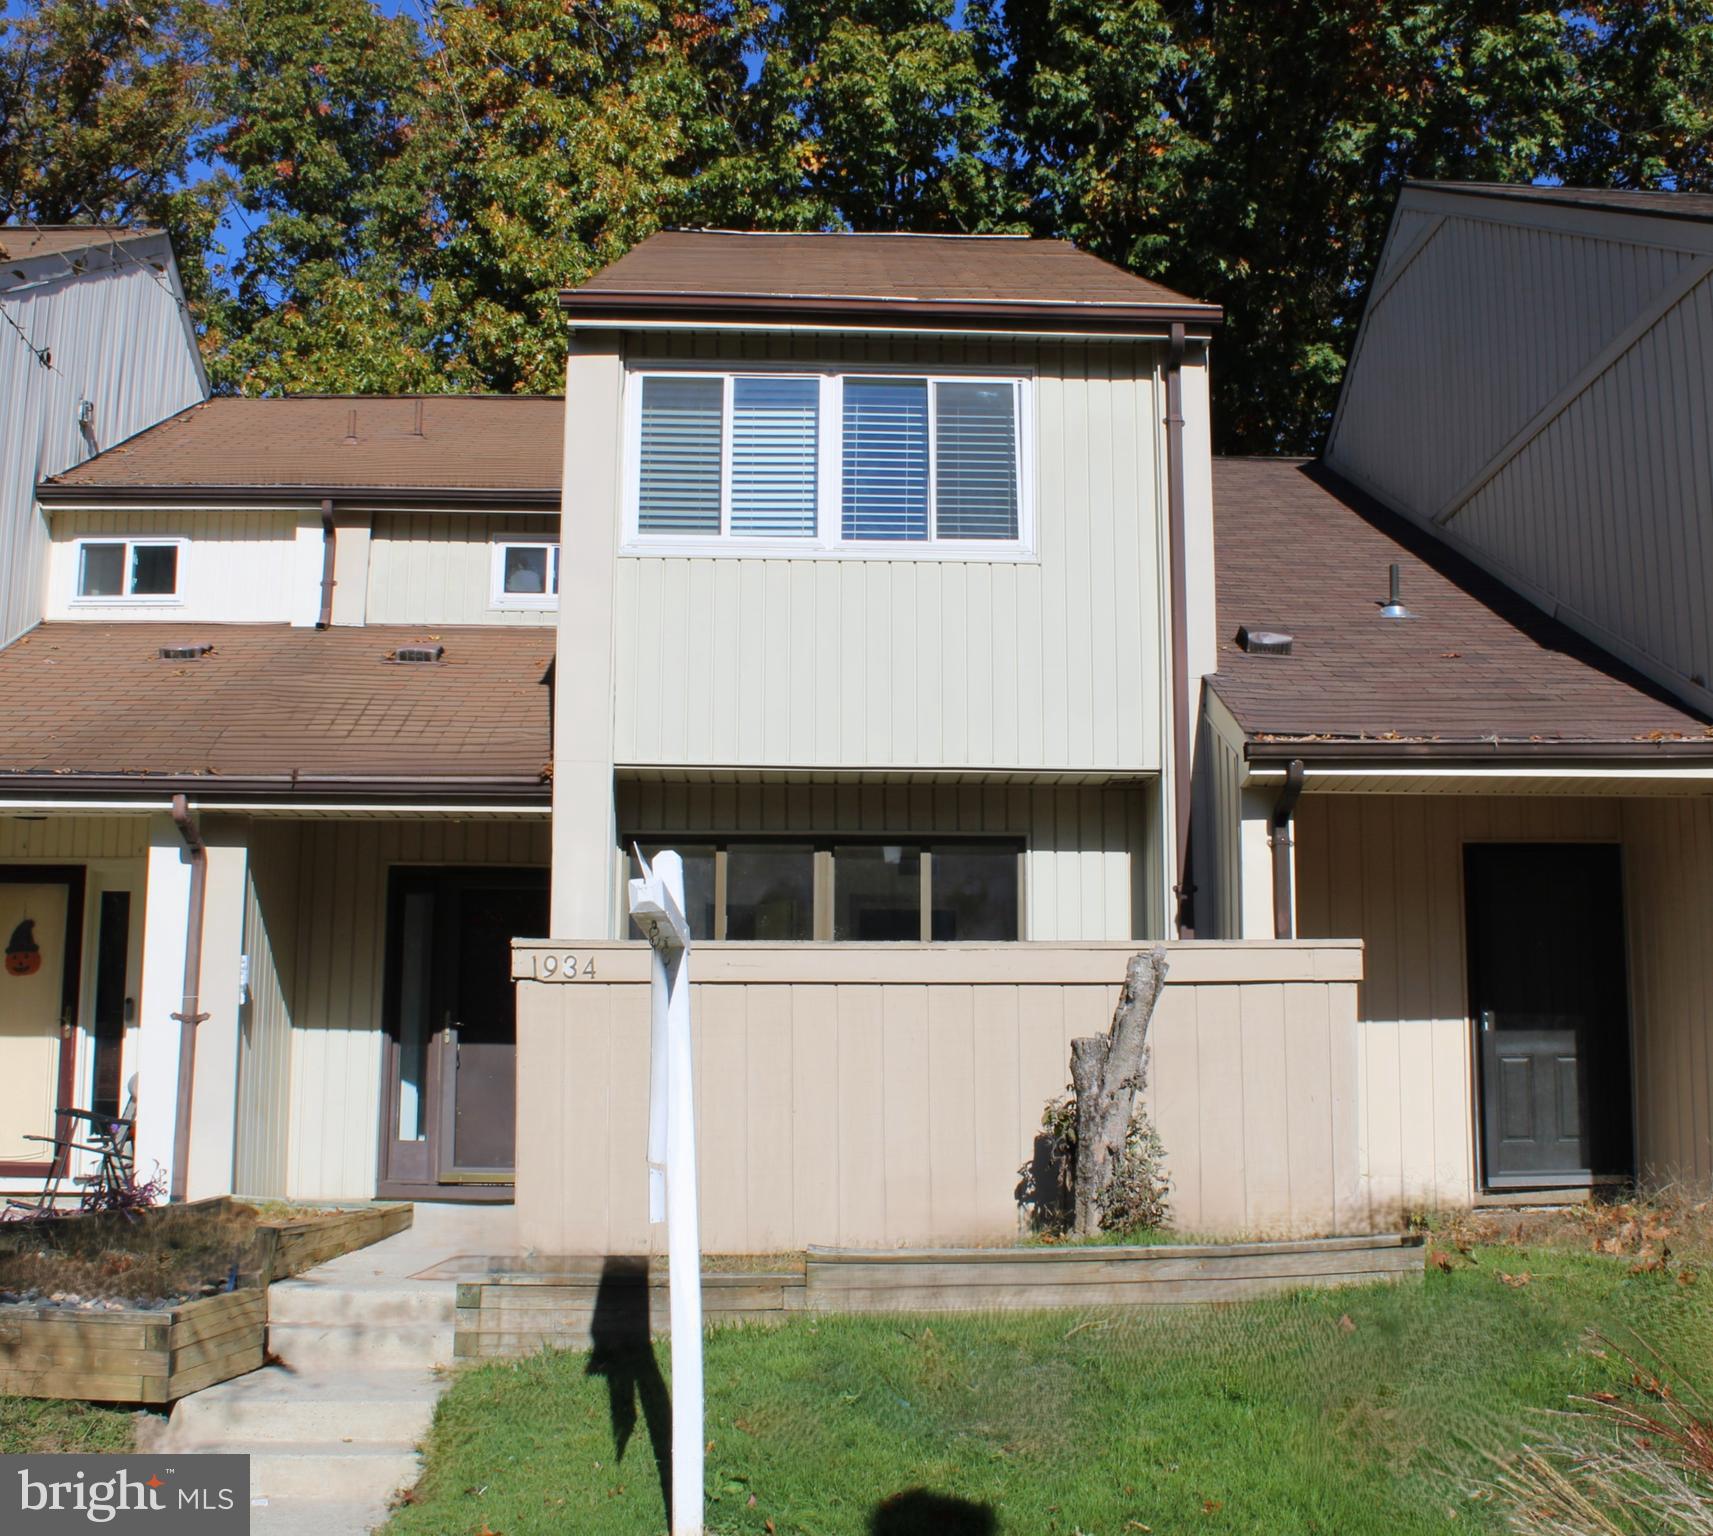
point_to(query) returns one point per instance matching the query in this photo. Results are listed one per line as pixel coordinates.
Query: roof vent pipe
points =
(416, 430)
(1393, 607)
(351, 426)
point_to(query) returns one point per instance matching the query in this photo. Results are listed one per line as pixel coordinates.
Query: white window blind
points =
(774, 443)
(680, 458)
(885, 472)
(975, 461)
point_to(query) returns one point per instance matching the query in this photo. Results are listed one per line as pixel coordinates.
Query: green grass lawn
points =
(1363, 1410)
(47, 1424)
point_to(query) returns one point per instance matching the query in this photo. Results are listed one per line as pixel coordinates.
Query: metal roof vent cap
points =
(1264, 642)
(189, 650)
(1393, 607)
(418, 654)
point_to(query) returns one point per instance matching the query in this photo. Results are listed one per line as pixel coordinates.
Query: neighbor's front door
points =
(1547, 996)
(452, 1025)
(41, 924)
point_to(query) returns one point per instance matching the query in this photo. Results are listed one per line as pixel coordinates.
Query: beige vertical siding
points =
(237, 569)
(119, 339)
(1388, 869)
(890, 1094)
(318, 894)
(1051, 663)
(73, 838)
(1090, 867)
(438, 569)
(1218, 813)
(1668, 894)
(264, 1024)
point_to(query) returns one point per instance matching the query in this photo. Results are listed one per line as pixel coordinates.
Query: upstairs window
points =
(855, 463)
(525, 573)
(127, 570)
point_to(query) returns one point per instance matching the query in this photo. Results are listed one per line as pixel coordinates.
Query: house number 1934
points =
(567, 967)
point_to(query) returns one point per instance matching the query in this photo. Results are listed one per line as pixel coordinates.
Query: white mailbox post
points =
(657, 904)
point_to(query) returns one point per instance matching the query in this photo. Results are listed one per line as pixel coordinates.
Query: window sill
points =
(806, 549)
(126, 602)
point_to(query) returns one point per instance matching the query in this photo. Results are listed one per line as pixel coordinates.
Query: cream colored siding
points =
(1534, 383)
(264, 1025)
(1668, 894)
(316, 922)
(1388, 869)
(1089, 866)
(238, 567)
(120, 339)
(437, 569)
(71, 839)
(1218, 812)
(1045, 663)
(889, 1094)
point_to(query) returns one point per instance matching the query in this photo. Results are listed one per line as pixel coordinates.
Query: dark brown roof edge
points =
(1619, 754)
(282, 787)
(52, 491)
(964, 314)
(1596, 199)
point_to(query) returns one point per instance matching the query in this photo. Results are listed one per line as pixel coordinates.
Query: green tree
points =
(575, 128)
(322, 127)
(1647, 66)
(875, 115)
(100, 101)
(1251, 155)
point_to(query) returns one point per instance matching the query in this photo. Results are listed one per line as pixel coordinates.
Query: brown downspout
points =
(188, 1015)
(329, 542)
(1185, 889)
(1279, 836)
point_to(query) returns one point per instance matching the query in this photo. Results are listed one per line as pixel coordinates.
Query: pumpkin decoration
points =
(23, 954)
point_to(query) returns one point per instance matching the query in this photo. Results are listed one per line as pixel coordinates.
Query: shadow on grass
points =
(621, 1350)
(918, 1512)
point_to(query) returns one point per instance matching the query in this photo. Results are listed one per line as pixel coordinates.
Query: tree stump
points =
(1107, 1072)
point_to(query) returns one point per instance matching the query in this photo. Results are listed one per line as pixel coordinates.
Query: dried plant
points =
(1633, 1462)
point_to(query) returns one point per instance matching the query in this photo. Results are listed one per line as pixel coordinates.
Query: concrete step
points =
(316, 1517)
(330, 1473)
(277, 1406)
(366, 1303)
(319, 1348)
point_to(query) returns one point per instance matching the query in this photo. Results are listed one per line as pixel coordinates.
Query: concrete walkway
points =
(364, 1349)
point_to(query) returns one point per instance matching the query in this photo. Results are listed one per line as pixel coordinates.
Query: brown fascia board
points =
(52, 493)
(1626, 754)
(284, 788)
(895, 314)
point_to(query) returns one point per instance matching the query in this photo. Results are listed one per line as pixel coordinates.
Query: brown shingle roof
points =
(505, 445)
(968, 279)
(1297, 550)
(272, 703)
(22, 242)
(1671, 205)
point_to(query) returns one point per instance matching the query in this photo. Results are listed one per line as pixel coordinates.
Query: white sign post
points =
(657, 904)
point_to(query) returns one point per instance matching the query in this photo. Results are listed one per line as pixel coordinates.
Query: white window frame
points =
(539, 602)
(173, 599)
(828, 542)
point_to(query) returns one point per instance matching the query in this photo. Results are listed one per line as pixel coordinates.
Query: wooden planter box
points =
(287, 1248)
(131, 1356)
(983, 1279)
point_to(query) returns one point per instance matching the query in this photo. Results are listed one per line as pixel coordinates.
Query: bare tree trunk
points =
(1107, 1073)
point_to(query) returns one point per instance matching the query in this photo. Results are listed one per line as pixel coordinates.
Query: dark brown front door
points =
(1547, 997)
(451, 1097)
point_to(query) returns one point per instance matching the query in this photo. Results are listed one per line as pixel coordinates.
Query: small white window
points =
(525, 574)
(129, 570)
